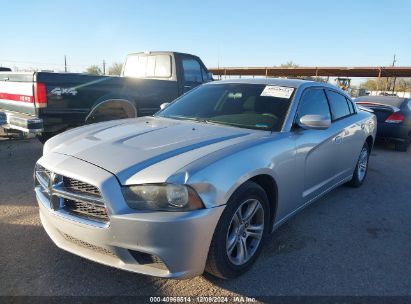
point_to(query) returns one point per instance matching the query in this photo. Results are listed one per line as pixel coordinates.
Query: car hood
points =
(125, 147)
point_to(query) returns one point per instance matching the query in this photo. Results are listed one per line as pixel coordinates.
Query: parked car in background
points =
(394, 118)
(47, 103)
(200, 184)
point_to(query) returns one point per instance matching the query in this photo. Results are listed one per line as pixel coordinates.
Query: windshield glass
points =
(252, 106)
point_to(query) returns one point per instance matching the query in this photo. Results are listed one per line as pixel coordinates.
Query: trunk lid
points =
(380, 110)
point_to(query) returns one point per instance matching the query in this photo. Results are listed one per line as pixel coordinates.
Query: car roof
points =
(161, 53)
(385, 100)
(295, 83)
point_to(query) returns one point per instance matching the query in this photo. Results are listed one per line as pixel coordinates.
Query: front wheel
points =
(240, 232)
(361, 168)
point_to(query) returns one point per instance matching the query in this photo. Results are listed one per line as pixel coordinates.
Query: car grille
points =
(80, 187)
(89, 210)
(72, 196)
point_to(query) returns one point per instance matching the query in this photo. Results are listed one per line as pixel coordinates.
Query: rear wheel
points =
(45, 136)
(403, 146)
(361, 168)
(240, 232)
(111, 110)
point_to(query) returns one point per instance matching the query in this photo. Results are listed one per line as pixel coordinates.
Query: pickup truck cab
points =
(46, 103)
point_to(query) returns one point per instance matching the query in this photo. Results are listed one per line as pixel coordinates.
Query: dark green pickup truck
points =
(47, 103)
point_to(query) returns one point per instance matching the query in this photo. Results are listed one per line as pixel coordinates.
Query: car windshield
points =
(252, 106)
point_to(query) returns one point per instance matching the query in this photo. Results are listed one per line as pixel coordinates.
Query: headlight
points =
(165, 197)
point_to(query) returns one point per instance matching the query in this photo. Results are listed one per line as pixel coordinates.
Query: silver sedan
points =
(199, 185)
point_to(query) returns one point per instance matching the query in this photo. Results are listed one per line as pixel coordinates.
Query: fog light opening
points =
(148, 259)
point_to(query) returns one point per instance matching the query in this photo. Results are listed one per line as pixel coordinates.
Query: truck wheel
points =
(111, 110)
(45, 136)
(239, 235)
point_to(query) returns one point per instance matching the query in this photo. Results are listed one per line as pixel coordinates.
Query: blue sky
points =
(231, 33)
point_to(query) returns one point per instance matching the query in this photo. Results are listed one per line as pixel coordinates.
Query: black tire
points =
(110, 111)
(45, 136)
(218, 261)
(356, 181)
(402, 146)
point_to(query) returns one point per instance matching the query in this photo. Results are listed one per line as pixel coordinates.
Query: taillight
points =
(40, 95)
(395, 117)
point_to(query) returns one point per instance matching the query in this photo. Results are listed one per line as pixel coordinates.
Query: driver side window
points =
(313, 102)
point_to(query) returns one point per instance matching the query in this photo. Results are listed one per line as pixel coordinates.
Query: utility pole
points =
(104, 67)
(65, 64)
(395, 78)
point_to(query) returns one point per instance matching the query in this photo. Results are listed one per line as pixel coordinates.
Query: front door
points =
(316, 149)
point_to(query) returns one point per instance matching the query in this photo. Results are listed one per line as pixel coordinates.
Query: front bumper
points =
(178, 241)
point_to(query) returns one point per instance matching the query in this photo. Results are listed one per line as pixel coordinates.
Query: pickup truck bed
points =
(47, 103)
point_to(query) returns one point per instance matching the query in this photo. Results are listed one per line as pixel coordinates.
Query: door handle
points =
(338, 139)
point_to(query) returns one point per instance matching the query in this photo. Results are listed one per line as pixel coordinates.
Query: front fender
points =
(217, 177)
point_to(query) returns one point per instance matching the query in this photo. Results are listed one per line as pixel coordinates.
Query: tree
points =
(370, 84)
(289, 64)
(403, 85)
(94, 70)
(115, 69)
(384, 84)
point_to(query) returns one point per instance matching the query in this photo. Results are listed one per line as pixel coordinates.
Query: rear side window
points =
(313, 102)
(148, 66)
(351, 106)
(338, 104)
(192, 70)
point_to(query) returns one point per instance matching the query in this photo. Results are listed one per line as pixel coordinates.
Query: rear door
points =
(348, 138)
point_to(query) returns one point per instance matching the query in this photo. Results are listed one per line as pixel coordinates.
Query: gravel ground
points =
(351, 242)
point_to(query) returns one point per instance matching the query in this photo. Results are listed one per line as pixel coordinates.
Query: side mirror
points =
(164, 105)
(315, 122)
(210, 76)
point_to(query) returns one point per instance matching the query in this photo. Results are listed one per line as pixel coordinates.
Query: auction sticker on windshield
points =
(277, 91)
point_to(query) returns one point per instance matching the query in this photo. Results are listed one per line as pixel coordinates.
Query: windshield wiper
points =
(233, 124)
(186, 118)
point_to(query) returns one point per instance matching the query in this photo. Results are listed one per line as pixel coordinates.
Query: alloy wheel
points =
(363, 163)
(245, 232)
